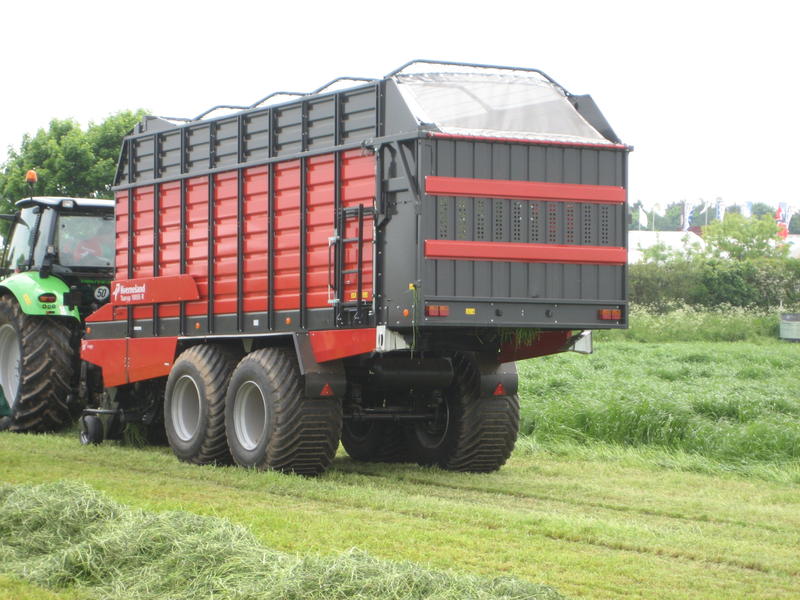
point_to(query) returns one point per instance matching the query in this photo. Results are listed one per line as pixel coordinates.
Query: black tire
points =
(271, 425)
(36, 367)
(194, 404)
(91, 430)
(375, 441)
(473, 433)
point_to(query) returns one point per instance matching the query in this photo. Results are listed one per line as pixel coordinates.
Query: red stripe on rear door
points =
(523, 190)
(518, 252)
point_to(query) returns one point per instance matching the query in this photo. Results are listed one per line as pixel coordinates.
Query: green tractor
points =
(56, 269)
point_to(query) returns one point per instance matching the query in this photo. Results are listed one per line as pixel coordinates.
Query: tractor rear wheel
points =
(470, 433)
(194, 404)
(36, 368)
(269, 422)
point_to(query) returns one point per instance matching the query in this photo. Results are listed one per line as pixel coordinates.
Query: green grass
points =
(735, 403)
(668, 470)
(592, 521)
(67, 535)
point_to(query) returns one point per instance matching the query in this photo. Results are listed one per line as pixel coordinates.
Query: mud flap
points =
(319, 379)
(498, 379)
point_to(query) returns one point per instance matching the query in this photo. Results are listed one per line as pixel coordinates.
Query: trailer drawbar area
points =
(362, 264)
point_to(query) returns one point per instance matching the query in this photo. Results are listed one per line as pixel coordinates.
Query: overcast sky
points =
(706, 92)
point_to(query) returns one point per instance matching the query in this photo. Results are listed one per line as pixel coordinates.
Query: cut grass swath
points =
(68, 535)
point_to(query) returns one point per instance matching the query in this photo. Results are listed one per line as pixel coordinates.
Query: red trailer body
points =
(386, 254)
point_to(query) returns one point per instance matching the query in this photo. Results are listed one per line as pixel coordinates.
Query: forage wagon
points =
(361, 263)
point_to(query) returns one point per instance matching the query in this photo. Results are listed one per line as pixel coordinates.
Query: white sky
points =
(706, 92)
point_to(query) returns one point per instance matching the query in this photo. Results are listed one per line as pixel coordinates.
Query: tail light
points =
(437, 310)
(609, 314)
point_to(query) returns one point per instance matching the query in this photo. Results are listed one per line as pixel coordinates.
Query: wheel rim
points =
(9, 363)
(186, 408)
(250, 415)
(432, 433)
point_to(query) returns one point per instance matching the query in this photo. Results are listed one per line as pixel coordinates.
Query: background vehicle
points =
(365, 263)
(57, 266)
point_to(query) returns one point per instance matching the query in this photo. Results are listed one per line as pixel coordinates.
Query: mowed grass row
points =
(589, 525)
(736, 403)
(67, 535)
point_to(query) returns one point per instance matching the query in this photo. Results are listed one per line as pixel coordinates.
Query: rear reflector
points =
(47, 298)
(327, 390)
(609, 314)
(499, 390)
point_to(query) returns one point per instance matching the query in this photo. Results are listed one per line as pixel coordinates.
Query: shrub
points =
(765, 283)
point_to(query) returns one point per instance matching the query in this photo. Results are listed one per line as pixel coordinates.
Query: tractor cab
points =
(69, 239)
(55, 270)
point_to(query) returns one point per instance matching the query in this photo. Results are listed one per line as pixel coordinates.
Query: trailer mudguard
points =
(319, 379)
(26, 287)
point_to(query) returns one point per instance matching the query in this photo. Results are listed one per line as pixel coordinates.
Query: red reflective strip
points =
(480, 138)
(523, 190)
(518, 252)
(331, 344)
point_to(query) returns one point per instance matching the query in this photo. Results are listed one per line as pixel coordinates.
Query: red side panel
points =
(333, 344)
(121, 215)
(358, 187)
(110, 355)
(197, 241)
(121, 262)
(169, 238)
(256, 226)
(143, 219)
(287, 235)
(357, 177)
(104, 313)
(225, 242)
(319, 227)
(149, 358)
(131, 359)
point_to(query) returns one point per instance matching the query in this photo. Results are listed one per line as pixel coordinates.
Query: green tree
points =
(68, 160)
(794, 224)
(741, 238)
(759, 209)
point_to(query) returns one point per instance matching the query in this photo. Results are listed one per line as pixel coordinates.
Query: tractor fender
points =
(26, 288)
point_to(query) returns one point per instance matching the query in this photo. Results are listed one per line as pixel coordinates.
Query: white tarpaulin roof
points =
(493, 104)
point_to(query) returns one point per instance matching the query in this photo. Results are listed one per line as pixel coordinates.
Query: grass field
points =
(737, 403)
(647, 471)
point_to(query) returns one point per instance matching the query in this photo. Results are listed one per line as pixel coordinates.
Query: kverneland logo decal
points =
(129, 293)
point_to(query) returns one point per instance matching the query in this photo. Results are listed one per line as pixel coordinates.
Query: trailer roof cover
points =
(487, 103)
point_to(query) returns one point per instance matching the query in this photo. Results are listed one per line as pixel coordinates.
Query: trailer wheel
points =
(375, 442)
(194, 404)
(36, 366)
(270, 425)
(471, 433)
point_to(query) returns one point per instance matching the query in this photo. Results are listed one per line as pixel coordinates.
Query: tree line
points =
(69, 160)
